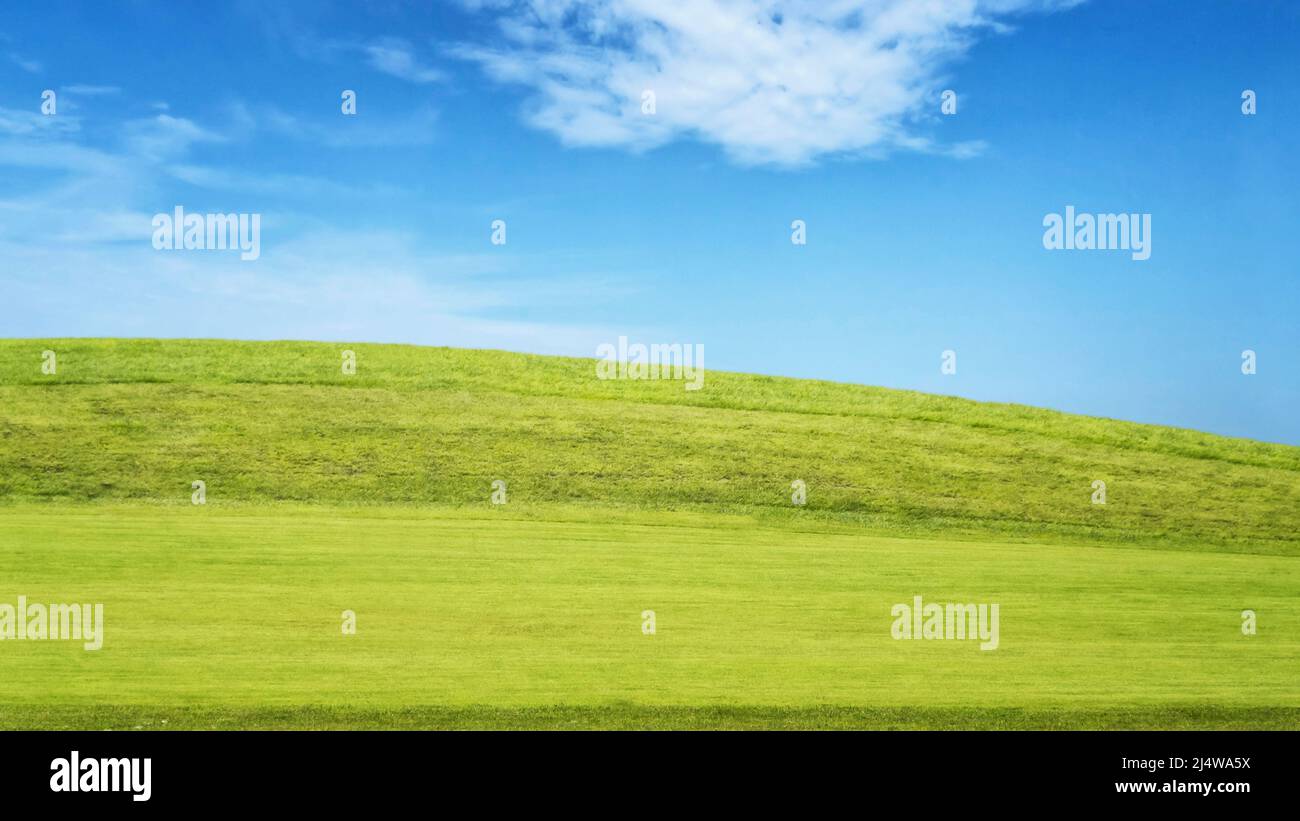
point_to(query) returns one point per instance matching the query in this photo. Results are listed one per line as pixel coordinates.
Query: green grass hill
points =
(369, 494)
(265, 423)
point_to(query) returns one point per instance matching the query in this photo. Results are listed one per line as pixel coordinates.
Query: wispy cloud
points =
(79, 259)
(91, 90)
(771, 83)
(394, 56)
(332, 285)
(18, 122)
(415, 127)
(30, 66)
(164, 136)
(212, 178)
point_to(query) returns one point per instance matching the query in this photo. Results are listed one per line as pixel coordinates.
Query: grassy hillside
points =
(263, 423)
(370, 493)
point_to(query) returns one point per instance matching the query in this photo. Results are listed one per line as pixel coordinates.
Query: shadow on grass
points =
(638, 717)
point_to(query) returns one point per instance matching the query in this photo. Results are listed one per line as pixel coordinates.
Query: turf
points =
(638, 717)
(328, 492)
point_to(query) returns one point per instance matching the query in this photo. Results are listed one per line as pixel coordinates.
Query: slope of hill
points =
(370, 492)
(274, 422)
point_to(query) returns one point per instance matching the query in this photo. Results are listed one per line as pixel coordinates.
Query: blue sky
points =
(924, 230)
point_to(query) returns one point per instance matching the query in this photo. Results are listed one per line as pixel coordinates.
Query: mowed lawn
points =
(480, 617)
(370, 492)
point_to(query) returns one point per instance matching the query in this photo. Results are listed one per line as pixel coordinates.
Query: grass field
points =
(370, 492)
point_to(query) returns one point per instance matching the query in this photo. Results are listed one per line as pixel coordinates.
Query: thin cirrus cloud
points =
(89, 90)
(771, 83)
(395, 57)
(29, 66)
(78, 257)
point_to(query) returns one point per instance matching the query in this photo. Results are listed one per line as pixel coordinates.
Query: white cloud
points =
(416, 126)
(23, 123)
(770, 82)
(78, 257)
(340, 284)
(393, 56)
(164, 136)
(227, 179)
(92, 90)
(30, 66)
